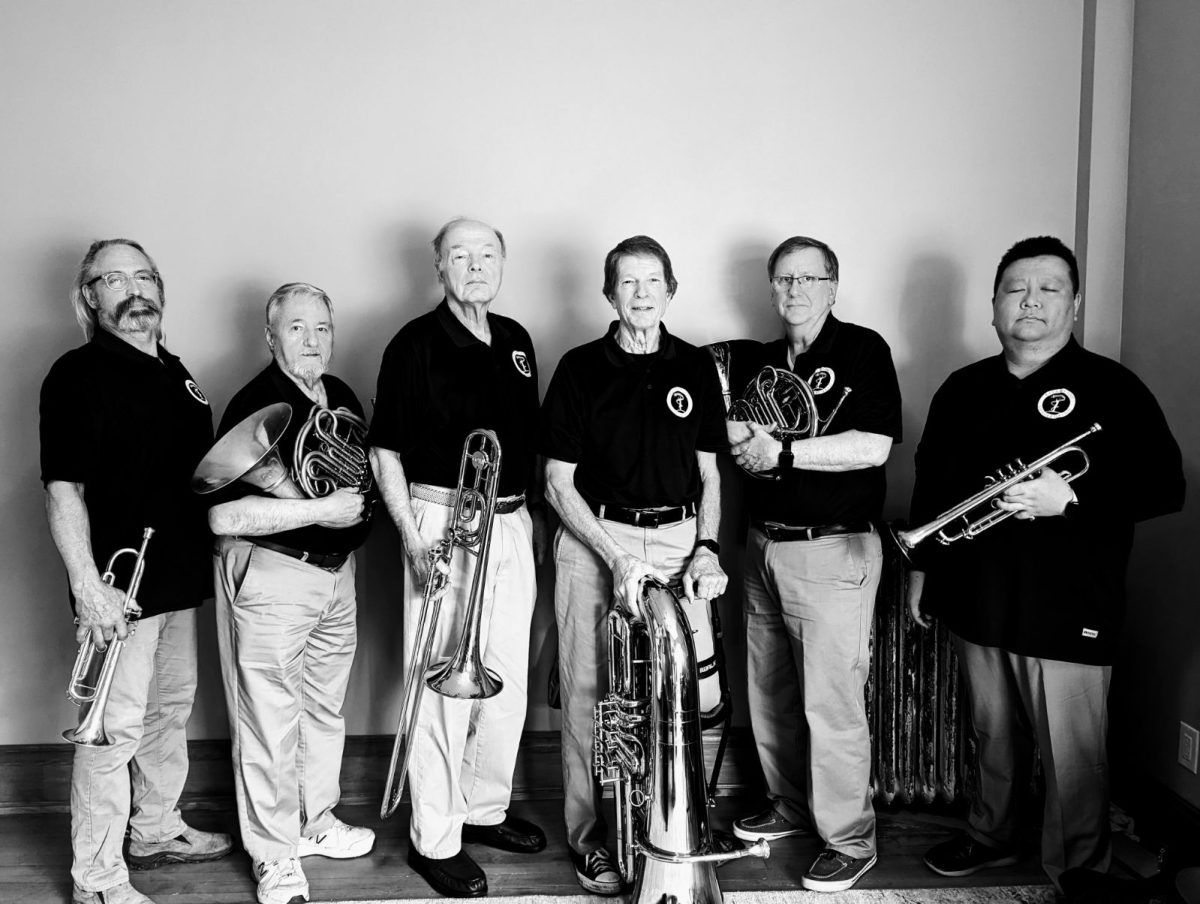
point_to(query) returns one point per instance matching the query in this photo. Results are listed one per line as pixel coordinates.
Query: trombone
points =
(974, 524)
(463, 675)
(92, 697)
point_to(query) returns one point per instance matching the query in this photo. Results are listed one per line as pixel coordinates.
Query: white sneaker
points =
(281, 882)
(118, 894)
(340, 841)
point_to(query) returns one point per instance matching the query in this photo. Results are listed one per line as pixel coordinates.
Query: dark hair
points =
(799, 243)
(1038, 246)
(440, 238)
(85, 315)
(637, 246)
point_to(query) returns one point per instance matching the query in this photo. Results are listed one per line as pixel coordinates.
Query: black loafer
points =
(455, 877)
(514, 834)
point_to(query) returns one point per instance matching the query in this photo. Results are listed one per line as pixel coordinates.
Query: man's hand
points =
(758, 453)
(341, 508)
(417, 551)
(627, 579)
(1044, 496)
(541, 533)
(737, 432)
(100, 611)
(704, 578)
(916, 586)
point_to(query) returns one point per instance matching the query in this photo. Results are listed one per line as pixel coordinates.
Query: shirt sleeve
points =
(874, 401)
(562, 418)
(66, 427)
(1156, 485)
(398, 395)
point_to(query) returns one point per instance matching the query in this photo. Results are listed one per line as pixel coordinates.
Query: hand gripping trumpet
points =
(979, 512)
(648, 747)
(463, 675)
(91, 696)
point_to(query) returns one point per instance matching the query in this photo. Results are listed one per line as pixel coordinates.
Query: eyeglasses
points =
(117, 281)
(807, 281)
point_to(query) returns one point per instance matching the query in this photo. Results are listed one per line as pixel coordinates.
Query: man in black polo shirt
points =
(122, 426)
(631, 426)
(286, 617)
(452, 370)
(1035, 603)
(813, 564)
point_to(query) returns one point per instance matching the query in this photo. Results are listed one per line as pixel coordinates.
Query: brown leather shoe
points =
(514, 834)
(455, 877)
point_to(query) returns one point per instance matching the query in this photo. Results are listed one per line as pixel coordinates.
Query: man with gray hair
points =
(122, 426)
(286, 617)
(446, 373)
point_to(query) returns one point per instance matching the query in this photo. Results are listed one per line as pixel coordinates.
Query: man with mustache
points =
(286, 618)
(123, 424)
(1035, 603)
(449, 371)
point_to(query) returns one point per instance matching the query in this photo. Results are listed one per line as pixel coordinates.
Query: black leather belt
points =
(784, 533)
(328, 561)
(643, 517)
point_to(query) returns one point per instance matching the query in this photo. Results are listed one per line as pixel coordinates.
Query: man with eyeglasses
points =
(1034, 604)
(123, 425)
(813, 561)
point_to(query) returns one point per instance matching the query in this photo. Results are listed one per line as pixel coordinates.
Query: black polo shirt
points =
(633, 423)
(1051, 587)
(131, 428)
(843, 355)
(271, 386)
(438, 382)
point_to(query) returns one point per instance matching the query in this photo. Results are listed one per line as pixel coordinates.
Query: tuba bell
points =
(648, 748)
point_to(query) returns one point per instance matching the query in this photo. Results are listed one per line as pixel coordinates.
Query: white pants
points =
(464, 751)
(147, 763)
(287, 634)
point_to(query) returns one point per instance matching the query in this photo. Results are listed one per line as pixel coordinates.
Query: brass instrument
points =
(648, 747)
(776, 399)
(329, 455)
(463, 675)
(979, 512)
(91, 696)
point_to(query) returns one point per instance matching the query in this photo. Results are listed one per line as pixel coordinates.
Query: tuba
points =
(91, 694)
(648, 747)
(463, 675)
(329, 454)
(776, 399)
(978, 513)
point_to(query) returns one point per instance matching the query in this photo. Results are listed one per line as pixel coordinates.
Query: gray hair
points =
(292, 289)
(85, 314)
(440, 239)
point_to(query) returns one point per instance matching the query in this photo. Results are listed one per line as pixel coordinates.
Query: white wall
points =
(247, 144)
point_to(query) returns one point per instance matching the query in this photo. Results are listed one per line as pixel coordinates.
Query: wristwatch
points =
(711, 545)
(786, 459)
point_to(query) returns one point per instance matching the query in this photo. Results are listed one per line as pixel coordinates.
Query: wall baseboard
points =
(36, 778)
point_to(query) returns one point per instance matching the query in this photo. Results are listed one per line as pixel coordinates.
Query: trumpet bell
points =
(249, 452)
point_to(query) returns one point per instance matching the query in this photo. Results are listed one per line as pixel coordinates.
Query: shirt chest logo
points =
(822, 380)
(194, 391)
(679, 401)
(1056, 403)
(521, 363)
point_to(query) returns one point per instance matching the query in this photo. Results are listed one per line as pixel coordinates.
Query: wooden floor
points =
(35, 861)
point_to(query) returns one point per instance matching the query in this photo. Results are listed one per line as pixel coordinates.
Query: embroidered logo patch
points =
(195, 392)
(679, 401)
(521, 362)
(1091, 633)
(822, 380)
(1056, 403)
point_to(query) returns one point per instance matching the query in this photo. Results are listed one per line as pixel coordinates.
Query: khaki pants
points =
(287, 635)
(146, 765)
(464, 751)
(1015, 701)
(583, 595)
(809, 607)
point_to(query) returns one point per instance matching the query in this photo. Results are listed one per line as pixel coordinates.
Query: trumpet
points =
(979, 512)
(92, 696)
(463, 675)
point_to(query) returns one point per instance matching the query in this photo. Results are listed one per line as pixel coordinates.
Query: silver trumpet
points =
(648, 747)
(979, 512)
(463, 675)
(91, 694)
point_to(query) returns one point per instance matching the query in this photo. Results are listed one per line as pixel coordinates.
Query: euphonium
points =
(648, 747)
(92, 696)
(463, 675)
(979, 512)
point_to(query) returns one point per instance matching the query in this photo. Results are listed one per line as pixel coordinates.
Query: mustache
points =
(126, 305)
